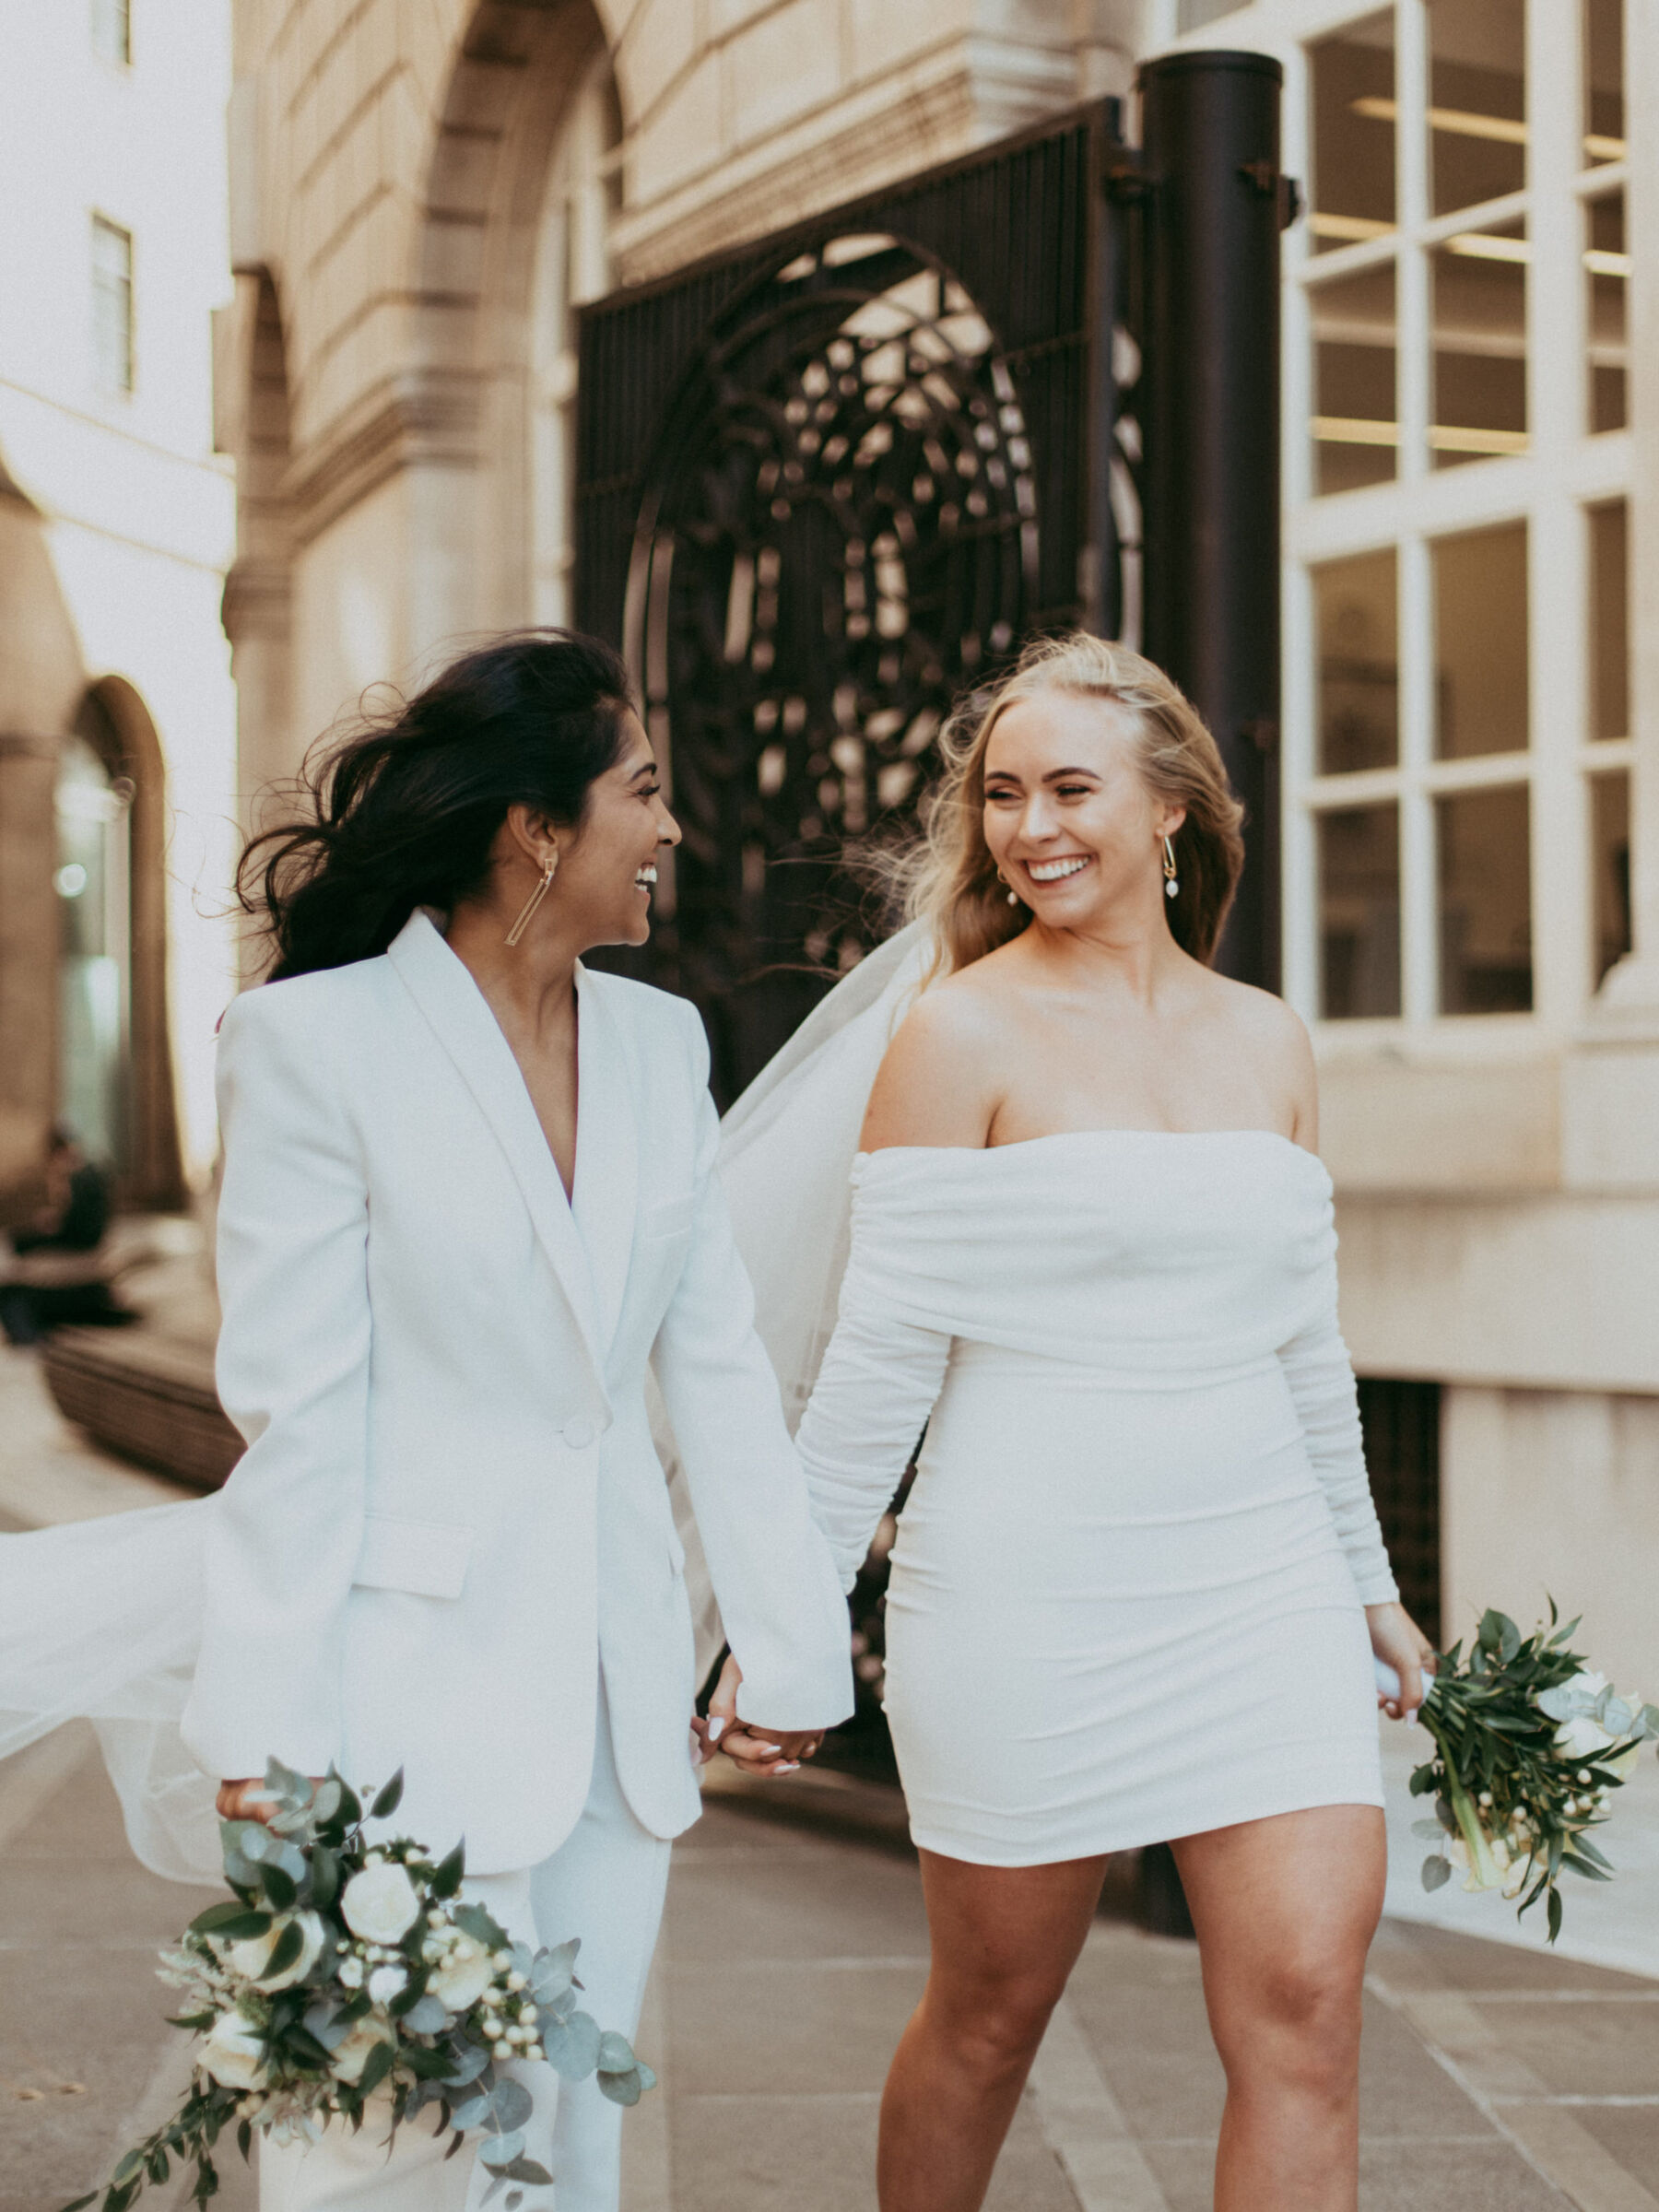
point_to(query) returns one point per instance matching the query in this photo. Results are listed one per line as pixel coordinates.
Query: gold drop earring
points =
(1172, 880)
(549, 869)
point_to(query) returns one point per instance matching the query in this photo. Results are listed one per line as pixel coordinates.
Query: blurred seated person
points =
(42, 1287)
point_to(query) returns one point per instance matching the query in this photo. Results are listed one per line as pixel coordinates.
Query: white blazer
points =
(450, 1507)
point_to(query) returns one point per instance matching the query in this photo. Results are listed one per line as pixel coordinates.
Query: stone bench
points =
(147, 1396)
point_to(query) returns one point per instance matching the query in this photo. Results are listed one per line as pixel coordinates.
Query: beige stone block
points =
(378, 54)
(463, 169)
(782, 66)
(405, 135)
(1610, 1113)
(452, 257)
(661, 42)
(731, 14)
(480, 98)
(884, 35)
(683, 137)
(1391, 1124)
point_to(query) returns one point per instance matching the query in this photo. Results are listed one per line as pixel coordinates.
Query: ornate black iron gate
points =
(823, 484)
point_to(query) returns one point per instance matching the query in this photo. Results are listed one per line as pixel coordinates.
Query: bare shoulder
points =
(937, 1084)
(1274, 1039)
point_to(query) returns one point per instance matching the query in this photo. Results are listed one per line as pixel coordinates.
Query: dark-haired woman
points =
(469, 1193)
(1138, 1583)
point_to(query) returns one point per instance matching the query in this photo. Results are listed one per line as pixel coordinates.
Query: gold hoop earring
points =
(1172, 880)
(549, 869)
(1013, 894)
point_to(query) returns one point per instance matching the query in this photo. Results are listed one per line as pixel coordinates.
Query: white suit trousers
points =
(605, 1883)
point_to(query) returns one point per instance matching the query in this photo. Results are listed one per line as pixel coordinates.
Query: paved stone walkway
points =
(1495, 2079)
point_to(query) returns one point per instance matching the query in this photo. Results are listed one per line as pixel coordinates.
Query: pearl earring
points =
(1013, 894)
(1171, 881)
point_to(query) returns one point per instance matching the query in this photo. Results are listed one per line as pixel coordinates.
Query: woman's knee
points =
(994, 2026)
(1299, 2016)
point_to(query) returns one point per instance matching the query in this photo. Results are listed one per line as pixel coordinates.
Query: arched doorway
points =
(114, 1072)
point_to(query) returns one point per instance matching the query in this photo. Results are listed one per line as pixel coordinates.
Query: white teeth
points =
(646, 875)
(1053, 871)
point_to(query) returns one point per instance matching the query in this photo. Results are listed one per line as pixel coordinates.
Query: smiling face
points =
(1068, 818)
(608, 867)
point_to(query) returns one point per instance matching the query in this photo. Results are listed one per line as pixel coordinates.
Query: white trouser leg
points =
(353, 2173)
(605, 1883)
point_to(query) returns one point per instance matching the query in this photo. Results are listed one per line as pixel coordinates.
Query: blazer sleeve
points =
(293, 1374)
(779, 1595)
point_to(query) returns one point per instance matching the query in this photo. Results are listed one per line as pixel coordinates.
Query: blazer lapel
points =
(607, 1151)
(459, 1015)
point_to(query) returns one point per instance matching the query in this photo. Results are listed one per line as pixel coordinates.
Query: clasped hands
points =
(749, 1747)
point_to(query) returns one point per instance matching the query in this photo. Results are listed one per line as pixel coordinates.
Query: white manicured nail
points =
(716, 1729)
(787, 1766)
(770, 1750)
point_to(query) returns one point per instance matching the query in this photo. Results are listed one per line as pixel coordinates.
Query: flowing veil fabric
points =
(100, 1620)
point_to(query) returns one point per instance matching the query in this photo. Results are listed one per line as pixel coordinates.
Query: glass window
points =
(1359, 663)
(93, 904)
(1480, 642)
(1483, 843)
(1359, 912)
(1353, 79)
(1356, 425)
(1610, 868)
(1477, 101)
(1607, 274)
(1479, 343)
(1609, 621)
(1604, 81)
(111, 306)
(112, 29)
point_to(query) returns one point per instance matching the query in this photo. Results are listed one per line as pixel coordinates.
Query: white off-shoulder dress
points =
(1126, 1602)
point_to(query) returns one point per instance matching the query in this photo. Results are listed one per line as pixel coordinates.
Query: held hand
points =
(249, 1799)
(750, 1748)
(1396, 1637)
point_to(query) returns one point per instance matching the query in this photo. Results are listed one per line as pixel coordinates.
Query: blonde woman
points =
(1138, 1585)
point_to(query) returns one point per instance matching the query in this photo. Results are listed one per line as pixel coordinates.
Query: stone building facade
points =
(421, 195)
(117, 715)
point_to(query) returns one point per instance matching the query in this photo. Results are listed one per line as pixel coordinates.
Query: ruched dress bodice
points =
(1127, 1595)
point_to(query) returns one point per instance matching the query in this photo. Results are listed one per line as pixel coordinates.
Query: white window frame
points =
(1550, 488)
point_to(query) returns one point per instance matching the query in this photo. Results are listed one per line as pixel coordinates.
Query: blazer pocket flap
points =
(426, 1558)
(671, 1221)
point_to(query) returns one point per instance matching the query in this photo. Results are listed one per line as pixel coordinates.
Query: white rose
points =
(1581, 1738)
(467, 1972)
(234, 2053)
(347, 2060)
(379, 1905)
(386, 1982)
(248, 1958)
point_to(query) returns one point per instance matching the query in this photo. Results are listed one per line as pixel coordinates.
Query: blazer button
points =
(579, 1434)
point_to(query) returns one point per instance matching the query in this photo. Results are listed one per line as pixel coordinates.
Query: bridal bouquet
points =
(1529, 1745)
(339, 1970)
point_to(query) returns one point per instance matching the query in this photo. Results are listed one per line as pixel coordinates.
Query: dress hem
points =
(1270, 1806)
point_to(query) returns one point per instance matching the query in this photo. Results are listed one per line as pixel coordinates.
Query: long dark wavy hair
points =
(402, 811)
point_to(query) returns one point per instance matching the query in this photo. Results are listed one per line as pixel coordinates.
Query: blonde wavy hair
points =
(947, 874)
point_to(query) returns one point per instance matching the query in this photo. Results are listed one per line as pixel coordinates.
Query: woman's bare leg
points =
(1285, 1910)
(1004, 1940)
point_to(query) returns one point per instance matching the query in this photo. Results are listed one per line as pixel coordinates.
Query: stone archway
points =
(42, 682)
(257, 609)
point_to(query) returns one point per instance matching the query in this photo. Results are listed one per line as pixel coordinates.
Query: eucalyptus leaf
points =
(616, 2054)
(1437, 1873)
(286, 1783)
(622, 2089)
(279, 1888)
(331, 1797)
(512, 2104)
(324, 1877)
(482, 1927)
(572, 2046)
(1426, 1831)
(427, 2016)
(472, 2062)
(323, 2022)
(389, 1798)
(473, 2112)
(495, 2151)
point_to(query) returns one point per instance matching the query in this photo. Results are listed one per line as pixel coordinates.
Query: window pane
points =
(1609, 621)
(1360, 912)
(1356, 431)
(111, 306)
(1353, 80)
(1604, 81)
(1485, 901)
(1479, 279)
(1359, 665)
(1480, 642)
(1610, 868)
(1477, 99)
(112, 29)
(1607, 273)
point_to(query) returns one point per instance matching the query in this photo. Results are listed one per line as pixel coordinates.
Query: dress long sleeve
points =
(1321, 1378)
(881, 1373)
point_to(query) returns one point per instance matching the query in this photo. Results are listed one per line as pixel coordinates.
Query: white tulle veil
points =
(100, 1620)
